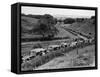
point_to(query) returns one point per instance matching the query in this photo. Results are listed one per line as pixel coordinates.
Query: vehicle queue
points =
(43, 51)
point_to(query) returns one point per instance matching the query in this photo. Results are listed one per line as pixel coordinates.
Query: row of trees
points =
(72, 20)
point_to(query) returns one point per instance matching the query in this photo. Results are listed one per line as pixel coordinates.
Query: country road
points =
(75, 33)
(59, 26)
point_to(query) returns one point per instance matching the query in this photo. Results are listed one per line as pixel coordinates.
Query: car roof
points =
(53, 45)
(25, 57)
(37, 49)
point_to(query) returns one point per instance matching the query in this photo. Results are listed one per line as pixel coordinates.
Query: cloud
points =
(57, 11)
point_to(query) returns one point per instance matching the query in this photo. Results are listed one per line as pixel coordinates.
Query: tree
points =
(69, 21)
(92, 17)
(46, 26)
(80, 19)
(37, 46)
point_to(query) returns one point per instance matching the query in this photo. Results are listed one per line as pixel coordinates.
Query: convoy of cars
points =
(42, 51)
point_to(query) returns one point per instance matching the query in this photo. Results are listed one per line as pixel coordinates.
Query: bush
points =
(37, 46)
(69, 21)
(27, 66)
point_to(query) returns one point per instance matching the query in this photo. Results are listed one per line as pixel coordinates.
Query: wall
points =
(5, 42)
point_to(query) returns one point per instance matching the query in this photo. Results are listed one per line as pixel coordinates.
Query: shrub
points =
(27, 66)
(69, 21)
(37, 46)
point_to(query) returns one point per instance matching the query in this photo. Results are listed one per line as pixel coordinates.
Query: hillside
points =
(29, 23)
(86, 27)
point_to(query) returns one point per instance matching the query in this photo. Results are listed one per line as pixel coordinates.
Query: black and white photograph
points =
(57, 38)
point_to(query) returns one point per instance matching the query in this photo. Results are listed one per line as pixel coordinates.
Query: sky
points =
(57, 12)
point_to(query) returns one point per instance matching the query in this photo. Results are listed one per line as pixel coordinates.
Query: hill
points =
(86, 27)
(27, 25)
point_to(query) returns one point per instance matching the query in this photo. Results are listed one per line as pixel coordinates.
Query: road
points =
(76, 33)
